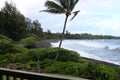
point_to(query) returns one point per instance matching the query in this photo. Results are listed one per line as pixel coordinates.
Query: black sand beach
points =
(102, 62)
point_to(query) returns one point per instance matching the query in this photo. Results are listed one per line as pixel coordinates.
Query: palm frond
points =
(52, 6)
(63, 3)
(73, 3)
(54, 11)
(61, 6)
(74, 15)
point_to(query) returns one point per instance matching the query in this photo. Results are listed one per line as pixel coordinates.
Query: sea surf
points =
(107, 50)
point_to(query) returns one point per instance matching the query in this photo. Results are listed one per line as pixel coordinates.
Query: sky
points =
(95, 17)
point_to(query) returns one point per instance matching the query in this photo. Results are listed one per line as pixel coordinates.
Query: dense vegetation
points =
(69, 62)
(19, 55)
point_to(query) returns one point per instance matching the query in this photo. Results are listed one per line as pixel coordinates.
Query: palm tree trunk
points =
(62, 35)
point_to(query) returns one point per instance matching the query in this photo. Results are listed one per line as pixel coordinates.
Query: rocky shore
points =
(45, 43)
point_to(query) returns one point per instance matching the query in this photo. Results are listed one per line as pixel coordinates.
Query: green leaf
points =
(75, 14)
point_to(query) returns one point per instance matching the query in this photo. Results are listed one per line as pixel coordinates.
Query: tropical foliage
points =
(29, 42)
(49, 53)
(100, 72)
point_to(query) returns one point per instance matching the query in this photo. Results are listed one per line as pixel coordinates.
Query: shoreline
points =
(101, 62)
(47, 43)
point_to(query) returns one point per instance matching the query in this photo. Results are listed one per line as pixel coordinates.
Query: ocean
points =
(107, 50)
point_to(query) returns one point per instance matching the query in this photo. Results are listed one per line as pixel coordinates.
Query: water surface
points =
(103, 49)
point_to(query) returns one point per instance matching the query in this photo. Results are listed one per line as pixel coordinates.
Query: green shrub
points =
(29, 42)
(46, 63)
(30, 65)
(81, 60)
(117, 69)
(6, 46)
(67, 55)
(99, 72)
(3, 63)
(40, 54)
(50, 53)
(85, 70)
(20, 49)
(5, 56)
(70, 68)
(6, 38)
(20, 57)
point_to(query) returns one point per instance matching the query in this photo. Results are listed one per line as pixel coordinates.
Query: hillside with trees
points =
(16, 26)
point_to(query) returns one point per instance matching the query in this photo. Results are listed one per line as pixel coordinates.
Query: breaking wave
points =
(103, 50)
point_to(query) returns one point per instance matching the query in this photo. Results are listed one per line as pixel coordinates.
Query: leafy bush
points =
(3, 63)
(6, 38)
(99, 72)
(29, 42)
(46, 63)
(20, 49)
(6, 46)
(117, 69)
(19, 57)
(70, 68)
(85, 70)
(30, 65)
(5, 56)
(50, 53)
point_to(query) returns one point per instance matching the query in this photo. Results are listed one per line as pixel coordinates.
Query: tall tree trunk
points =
(62, 35)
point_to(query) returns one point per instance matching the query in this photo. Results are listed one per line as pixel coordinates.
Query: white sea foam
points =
(100, 44)
(88, 43)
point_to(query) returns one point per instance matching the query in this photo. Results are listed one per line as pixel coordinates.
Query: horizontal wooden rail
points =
(7, 74)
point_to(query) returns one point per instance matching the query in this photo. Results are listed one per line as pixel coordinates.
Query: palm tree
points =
(61, 7)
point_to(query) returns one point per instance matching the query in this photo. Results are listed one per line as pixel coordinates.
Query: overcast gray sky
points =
(96, 16)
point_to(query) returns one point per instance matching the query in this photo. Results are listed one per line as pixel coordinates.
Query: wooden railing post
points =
(1, 75)
(7, 77)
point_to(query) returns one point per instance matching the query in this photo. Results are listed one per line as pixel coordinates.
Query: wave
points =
(75, 44)
(99, 44)
(82, 53)
(91, 44)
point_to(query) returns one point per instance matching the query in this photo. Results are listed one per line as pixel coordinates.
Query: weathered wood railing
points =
(7, 74)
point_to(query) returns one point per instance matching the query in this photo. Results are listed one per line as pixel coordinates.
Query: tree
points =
(34, 28)
(12, 22)
(61, 7)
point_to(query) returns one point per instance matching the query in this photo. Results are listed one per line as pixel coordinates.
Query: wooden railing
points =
(7, 74)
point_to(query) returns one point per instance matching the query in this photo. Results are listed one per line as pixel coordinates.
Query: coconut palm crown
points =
(61, 7)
